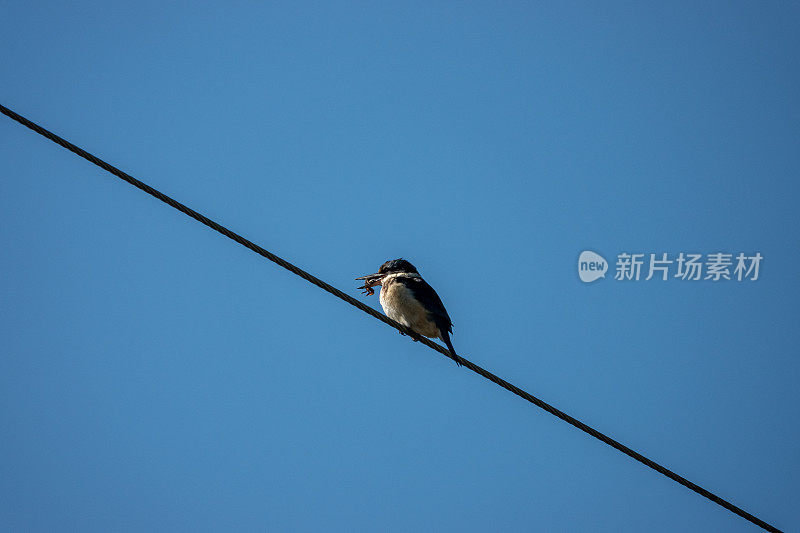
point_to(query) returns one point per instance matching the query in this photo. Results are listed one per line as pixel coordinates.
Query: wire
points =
(374, 313)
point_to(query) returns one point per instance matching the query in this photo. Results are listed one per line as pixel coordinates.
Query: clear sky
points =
(156, 376)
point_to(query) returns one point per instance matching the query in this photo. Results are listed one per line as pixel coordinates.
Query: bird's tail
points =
(446, 338)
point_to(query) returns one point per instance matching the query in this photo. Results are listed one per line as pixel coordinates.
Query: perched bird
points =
(408, 299)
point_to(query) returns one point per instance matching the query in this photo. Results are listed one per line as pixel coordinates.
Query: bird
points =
(409, 300)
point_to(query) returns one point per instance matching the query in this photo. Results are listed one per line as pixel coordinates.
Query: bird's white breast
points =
(398, 303)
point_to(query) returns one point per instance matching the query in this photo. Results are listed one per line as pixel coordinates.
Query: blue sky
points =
(158, 377)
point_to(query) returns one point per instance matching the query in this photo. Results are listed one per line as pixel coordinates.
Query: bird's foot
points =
(414, 336)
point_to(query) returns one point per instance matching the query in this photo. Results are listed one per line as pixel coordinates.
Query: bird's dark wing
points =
(425, 294)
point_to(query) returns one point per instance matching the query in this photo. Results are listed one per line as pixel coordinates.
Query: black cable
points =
(371, 311)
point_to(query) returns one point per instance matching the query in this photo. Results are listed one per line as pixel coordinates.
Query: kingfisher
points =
(408, 299)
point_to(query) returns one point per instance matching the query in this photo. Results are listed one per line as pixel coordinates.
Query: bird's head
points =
(395, 266)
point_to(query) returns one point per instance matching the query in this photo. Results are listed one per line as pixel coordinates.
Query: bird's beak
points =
(370, 281)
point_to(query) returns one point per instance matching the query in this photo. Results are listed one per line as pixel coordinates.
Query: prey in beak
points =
(370, 281)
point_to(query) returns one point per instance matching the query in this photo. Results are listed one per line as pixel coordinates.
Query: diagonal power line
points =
(371, 311)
